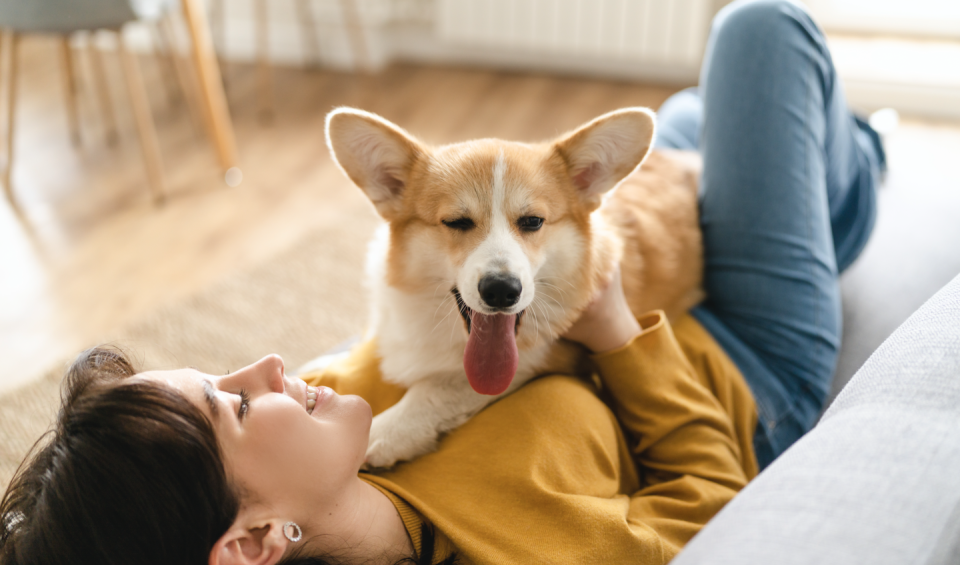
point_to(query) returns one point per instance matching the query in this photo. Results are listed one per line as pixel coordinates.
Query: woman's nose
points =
(266, 375)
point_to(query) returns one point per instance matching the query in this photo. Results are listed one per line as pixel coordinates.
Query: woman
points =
(256, 467)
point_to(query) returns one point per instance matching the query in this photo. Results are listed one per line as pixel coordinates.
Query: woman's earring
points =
(292, 531)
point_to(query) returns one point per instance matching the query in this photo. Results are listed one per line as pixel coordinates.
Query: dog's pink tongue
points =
(491, 357)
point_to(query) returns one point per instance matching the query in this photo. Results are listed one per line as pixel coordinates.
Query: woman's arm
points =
(683, 442)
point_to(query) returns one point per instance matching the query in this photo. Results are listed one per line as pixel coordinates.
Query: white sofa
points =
(877, 481)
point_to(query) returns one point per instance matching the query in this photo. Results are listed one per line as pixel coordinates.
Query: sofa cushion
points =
(878, 479)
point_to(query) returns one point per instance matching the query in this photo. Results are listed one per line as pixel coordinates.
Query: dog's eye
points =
(530, 223)
(461, 224)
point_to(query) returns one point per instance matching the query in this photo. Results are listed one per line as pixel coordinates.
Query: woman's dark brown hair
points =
(132, 473)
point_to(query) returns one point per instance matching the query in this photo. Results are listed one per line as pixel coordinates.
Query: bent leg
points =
(679, 120)
(787, 201)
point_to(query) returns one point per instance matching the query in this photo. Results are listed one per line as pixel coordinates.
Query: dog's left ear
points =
(603, 152)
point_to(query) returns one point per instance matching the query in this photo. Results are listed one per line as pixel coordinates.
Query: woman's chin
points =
(364, 415)
(359, 411)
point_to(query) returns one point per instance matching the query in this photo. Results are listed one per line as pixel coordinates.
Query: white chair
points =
(64, 17)
(311, 48)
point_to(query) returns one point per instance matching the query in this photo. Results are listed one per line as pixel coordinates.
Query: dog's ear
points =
(603, 152)
(376, 154)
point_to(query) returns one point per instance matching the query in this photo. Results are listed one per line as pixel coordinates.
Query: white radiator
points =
(658, 32)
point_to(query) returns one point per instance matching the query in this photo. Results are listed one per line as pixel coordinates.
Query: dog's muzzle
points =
(466, 312)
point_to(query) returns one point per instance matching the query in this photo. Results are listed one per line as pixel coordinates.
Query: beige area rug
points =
(303, 302)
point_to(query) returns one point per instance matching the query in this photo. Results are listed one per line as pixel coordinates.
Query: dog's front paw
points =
(391, 443)
(379, 454)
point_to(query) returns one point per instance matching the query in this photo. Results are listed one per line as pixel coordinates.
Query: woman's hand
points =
(607, 323)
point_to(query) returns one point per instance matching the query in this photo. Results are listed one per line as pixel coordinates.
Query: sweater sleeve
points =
(682, 440)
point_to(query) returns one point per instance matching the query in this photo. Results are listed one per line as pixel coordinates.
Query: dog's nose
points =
(500, 291)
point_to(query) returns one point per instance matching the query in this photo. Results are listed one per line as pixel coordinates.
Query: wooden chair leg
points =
(264, 82)
(11, 113)
(70, 88)
(218, 33)
(164, 55)
(3, 39)
(311, 44)
(187, 81)
(103, 90)
(361, 59)
(210, 85)
(141, 113)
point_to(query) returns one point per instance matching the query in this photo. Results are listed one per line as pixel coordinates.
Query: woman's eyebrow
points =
(210, 395)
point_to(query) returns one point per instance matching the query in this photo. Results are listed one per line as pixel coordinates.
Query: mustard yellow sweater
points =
(553, 474)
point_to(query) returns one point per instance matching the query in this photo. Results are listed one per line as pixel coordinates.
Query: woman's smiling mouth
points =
(316, 396)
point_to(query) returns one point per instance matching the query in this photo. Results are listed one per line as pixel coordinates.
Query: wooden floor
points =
(89, 252)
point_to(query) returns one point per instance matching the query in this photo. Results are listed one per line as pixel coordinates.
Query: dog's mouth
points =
(491, 357)
(466, 312)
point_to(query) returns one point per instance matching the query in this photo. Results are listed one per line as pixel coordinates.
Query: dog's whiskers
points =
(441, 321)
(451, 333)
(561, 279)
(548, 285)
(439, 284)
(445, 298)
(548, 295)
(536, 322)
(543, 312)
(551, 287)
(444, 319)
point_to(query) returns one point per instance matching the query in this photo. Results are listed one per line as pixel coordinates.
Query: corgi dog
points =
(492, 249)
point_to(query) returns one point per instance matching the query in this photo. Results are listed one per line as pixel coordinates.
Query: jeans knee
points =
(679, 120)
(760, 20)
(773, 35)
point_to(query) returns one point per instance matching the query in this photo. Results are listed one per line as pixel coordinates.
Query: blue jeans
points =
(787, 202)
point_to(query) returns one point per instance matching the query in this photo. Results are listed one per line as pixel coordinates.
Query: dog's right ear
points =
(376, 154)
(603, 152)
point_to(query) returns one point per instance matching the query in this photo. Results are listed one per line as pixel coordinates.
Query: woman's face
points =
(283, 450)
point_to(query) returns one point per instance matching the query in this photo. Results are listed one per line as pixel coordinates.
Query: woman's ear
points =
(376, 154)
(604, 151)
(250, 542)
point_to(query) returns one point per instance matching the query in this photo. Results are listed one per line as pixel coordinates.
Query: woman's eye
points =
(460, 224)
(244, 404)
(530, 223)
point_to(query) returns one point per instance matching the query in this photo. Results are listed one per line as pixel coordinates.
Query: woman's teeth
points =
(311, 399)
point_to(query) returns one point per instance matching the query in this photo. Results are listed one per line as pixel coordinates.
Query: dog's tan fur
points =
(649, 224)
(654, 214)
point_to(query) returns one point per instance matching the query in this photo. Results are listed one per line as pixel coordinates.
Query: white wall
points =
(415, 30)
(921, 18)
(607, 38)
